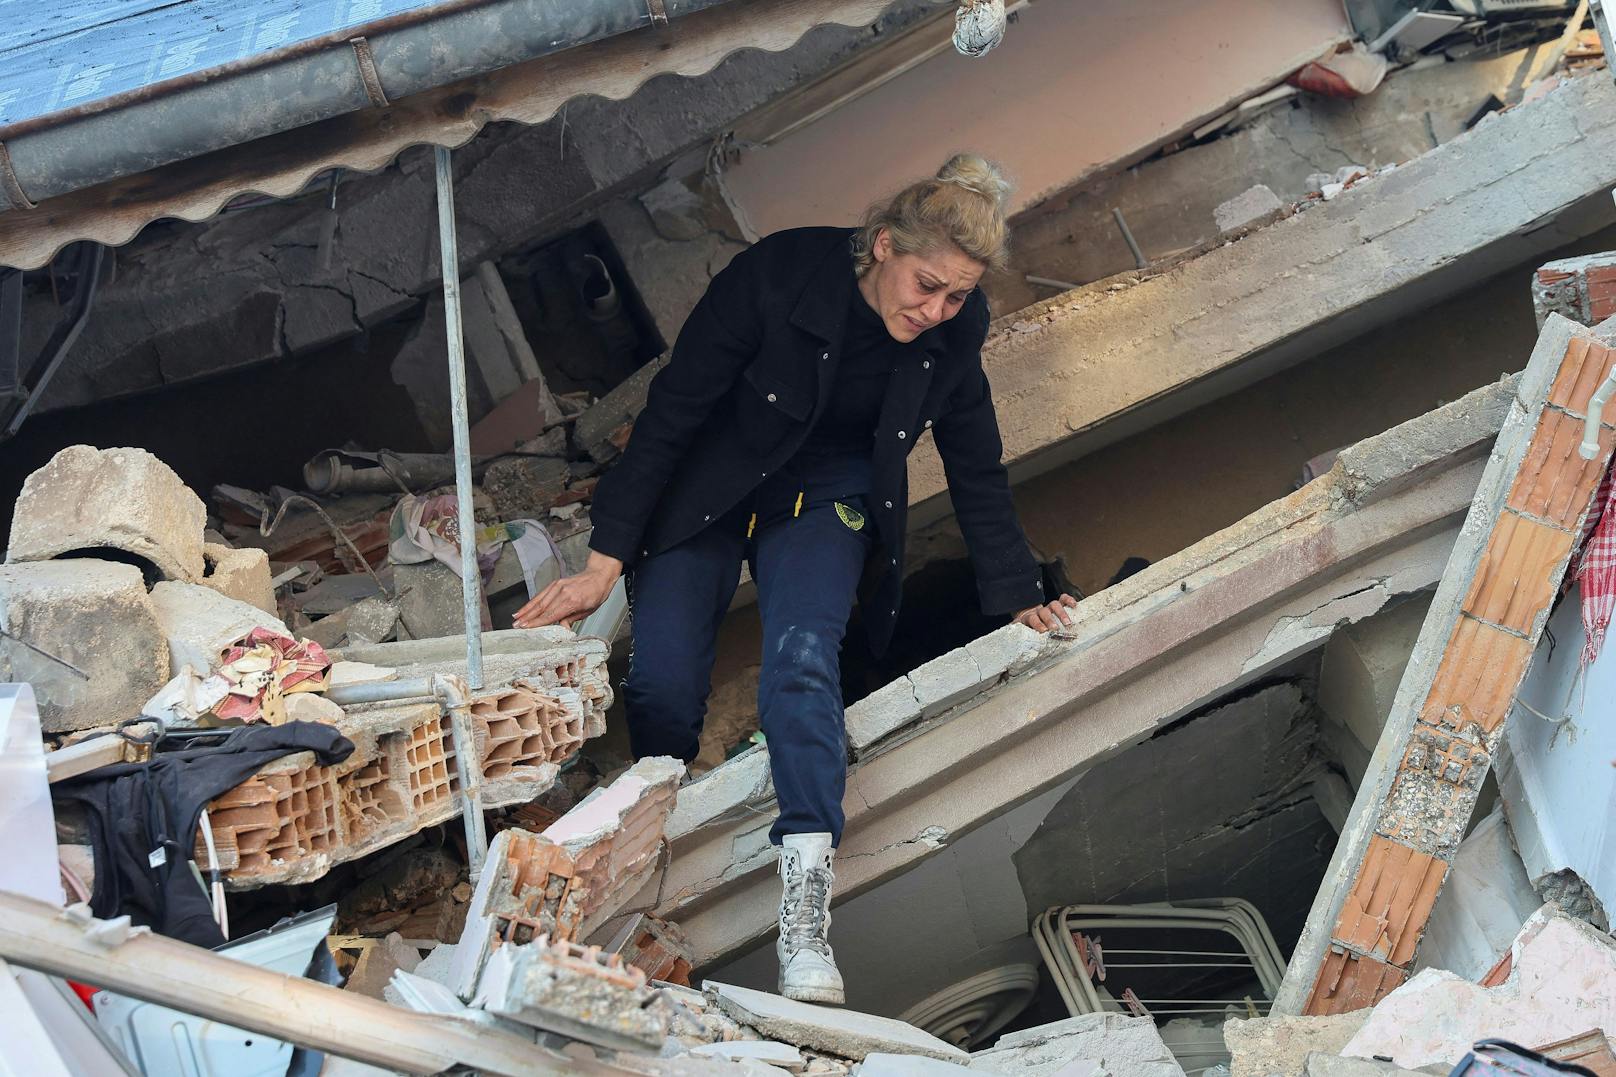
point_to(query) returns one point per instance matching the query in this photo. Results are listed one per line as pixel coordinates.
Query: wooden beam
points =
(1475, 648)
(188, 978)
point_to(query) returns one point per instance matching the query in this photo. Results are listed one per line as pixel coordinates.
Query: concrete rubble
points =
(514, 896)
(125, 501)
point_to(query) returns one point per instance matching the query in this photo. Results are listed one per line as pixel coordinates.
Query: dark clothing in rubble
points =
(143, 821)
(754, 371)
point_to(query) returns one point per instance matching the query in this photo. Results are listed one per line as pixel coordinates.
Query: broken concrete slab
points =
(1260, 1046)
(740, 783)
(782, 1055)
(1160, 645)
(1561, 982)
(847, 1033)
(1254, 206)
(122, 501)
(83, 633)
(1119, 1043)
(1484, 904)
(431, 603)
(884, 711)
(312, 707)
(199, 623)
(569, 667)
(572, 990)
(602, 431)
(241, 574)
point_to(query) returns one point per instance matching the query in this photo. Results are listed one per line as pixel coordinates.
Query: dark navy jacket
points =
(750, 374)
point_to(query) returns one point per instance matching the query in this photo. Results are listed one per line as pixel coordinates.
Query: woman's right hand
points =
(572, 597)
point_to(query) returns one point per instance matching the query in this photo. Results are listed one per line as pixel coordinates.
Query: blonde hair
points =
(963, 206)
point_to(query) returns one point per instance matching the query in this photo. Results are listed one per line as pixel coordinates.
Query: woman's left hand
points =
(1050, 617)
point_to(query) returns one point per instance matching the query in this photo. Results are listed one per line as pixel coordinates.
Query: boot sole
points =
(823, 995)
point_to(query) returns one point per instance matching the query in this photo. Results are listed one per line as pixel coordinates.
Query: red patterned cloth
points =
(1596, 571)
(262, 668)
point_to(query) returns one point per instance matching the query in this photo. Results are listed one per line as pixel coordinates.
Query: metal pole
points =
(470, 578)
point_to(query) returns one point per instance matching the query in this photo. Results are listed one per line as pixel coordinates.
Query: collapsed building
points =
(1290, 383)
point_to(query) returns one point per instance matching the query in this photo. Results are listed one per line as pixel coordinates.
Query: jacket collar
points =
(822, 307)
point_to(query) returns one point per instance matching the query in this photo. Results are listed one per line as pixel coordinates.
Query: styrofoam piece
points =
(27, 823)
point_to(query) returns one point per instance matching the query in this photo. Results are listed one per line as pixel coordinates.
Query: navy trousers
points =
(806, 562)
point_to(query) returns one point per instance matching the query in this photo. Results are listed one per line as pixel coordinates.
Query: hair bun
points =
(976, 173)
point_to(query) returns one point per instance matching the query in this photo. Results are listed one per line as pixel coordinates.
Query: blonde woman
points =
(778, 435)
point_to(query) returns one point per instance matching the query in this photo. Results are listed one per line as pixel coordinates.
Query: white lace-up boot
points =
(807, 968)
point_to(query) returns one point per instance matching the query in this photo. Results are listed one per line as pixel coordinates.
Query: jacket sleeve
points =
(1008, 578)
(719, 338)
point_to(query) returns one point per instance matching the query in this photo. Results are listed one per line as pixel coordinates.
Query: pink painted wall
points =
(1077, 85)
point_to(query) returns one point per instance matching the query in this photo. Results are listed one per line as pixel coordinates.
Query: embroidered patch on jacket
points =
(853, 518)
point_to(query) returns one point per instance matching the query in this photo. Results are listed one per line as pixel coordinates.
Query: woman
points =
(778, 434)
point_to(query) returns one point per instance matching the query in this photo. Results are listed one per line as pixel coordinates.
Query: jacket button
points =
(901, 435)
(825, 355)
(928, 424)
(925, 364)
(889, 504)
(772, 398)
(704, 519)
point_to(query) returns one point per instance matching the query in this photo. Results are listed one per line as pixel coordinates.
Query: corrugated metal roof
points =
(281, 165)
(68, 53)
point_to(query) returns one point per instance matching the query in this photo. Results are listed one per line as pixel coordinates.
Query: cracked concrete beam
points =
(1188, 630)
(1096, 364)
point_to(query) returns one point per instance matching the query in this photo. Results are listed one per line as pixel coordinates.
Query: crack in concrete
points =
(933, 837)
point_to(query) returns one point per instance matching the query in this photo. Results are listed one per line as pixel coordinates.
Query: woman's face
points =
(913, 292)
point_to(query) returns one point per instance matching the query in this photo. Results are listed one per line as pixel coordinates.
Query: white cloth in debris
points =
(535, 549)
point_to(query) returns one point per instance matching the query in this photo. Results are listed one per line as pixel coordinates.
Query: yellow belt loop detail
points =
(798, 510)
(750, 524)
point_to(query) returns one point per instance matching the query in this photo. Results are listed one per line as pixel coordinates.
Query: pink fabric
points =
(1596, 572)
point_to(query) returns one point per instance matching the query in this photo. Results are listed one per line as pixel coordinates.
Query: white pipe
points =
(1589, 449)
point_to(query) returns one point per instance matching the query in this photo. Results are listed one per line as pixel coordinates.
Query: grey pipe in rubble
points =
(470, 574)
(367, 65)
(453, 698)
(331, 473)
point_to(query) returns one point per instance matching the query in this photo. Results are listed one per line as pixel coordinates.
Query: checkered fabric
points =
(1596, 571)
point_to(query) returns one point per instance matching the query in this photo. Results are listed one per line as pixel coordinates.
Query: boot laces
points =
(808, 900)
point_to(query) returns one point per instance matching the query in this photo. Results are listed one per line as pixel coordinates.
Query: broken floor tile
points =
(122, 499)
(1318, 1064)
(847, 1033)
(783, 1055)
(1119, 1043)
(573, 990)
(1562, 982)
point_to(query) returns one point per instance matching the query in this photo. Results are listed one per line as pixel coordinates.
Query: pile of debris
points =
(1554, 992)
(368, 551)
